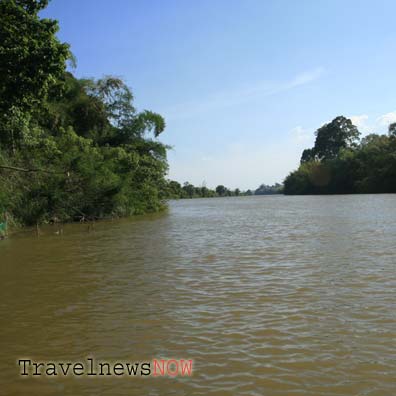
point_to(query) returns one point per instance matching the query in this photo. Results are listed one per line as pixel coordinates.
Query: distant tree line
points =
(269, 190)
(174, 190)
(342, 163)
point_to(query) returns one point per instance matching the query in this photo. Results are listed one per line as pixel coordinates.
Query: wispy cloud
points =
(241, 95)
(307, 77)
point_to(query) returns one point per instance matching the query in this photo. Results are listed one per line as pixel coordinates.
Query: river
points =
(269, 295)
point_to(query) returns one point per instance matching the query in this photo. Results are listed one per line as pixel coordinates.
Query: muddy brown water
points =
(269, 295)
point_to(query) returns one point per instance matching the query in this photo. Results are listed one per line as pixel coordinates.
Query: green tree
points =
(188, 189)
(174, 189)
(368, 167)
(32, 60)
(332, 137)
(307, 155)
(69, 148)
(221, 190)
(32, 63)
(118, 101)
(269, 190)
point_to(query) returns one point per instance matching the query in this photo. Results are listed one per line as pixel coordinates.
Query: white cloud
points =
(361, 121)
(380, 124)
(386, 119)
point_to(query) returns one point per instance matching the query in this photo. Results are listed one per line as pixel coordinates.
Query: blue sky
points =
(242, 84)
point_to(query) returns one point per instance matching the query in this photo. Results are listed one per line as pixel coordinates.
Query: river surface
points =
(269, 295)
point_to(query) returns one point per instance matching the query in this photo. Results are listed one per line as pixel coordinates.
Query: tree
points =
(70, 148)
(111, 96)
(32, 60)
(188, 189)
(332, 137)
(392, 129)
(345, 167)
(174, 189)
(268, 190)
(371, 139)
(32, 63)
(307, 155)
(221, 190)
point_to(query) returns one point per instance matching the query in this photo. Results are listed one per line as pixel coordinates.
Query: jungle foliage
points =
(69, 148)
(342, 163)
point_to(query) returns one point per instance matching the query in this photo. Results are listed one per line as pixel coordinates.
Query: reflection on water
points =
(269, 295)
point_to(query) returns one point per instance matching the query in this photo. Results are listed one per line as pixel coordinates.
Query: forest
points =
(341, 162)
(70, 149)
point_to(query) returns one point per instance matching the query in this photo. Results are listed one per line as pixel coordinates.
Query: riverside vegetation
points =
(78, 148)
(73, 148)
(69, 148)
(342, 163)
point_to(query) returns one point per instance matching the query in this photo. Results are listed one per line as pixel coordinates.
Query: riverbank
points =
(59, 228)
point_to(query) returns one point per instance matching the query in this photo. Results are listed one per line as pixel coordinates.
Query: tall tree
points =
(32, 59)
(332, 137)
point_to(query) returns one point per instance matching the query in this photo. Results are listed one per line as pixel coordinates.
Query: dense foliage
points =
(69, 148)
(340, 163)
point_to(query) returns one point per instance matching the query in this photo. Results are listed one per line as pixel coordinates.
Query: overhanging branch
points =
(14, 168)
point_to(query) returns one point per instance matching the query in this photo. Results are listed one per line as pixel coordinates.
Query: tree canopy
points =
(69, 148)
(340, 163)
(32, 59)
(331, 138)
